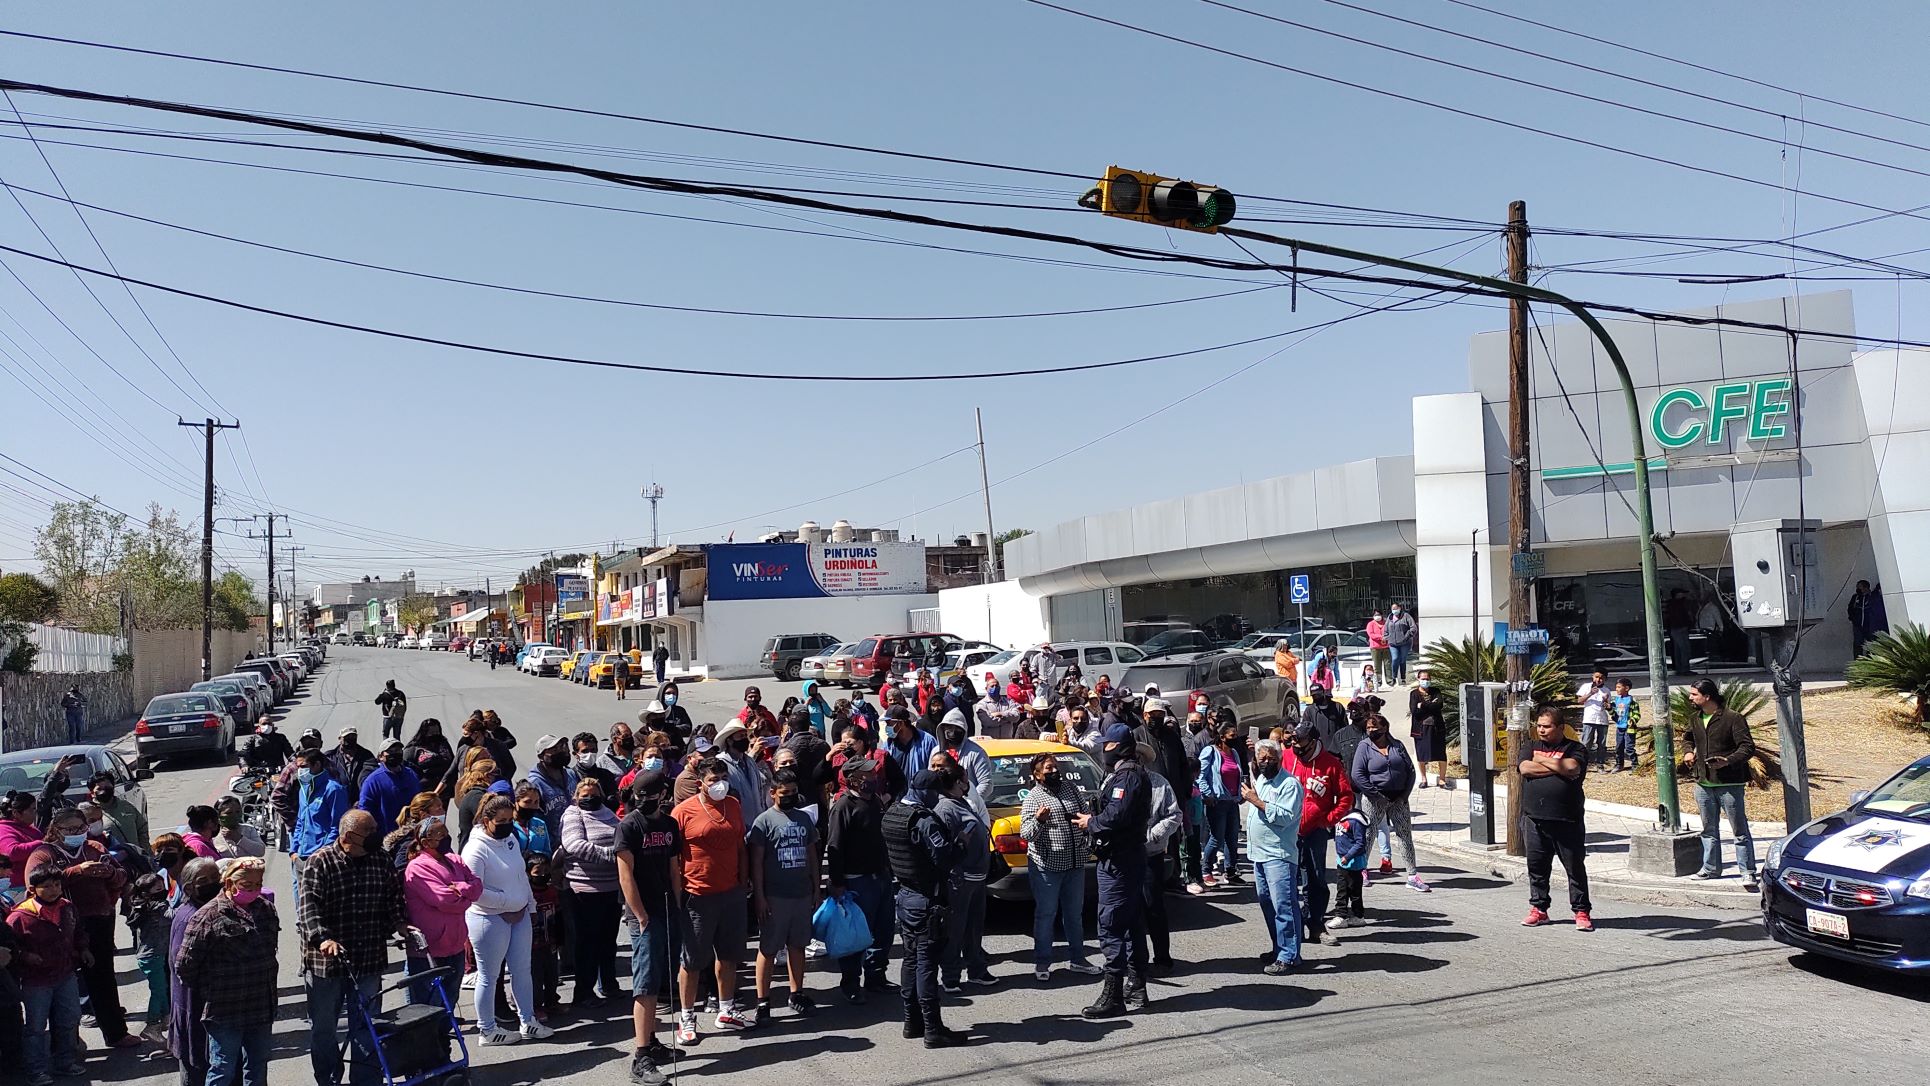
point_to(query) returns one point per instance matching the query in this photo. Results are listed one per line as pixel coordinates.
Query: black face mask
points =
(393, 761)
(650, 805)
(591, 803)
(499, 830)
(556, 759)
(539, 882)
(167, 857)
(1268, 769)
(739, 746)
(1114, 757)
(791, 802)
(201, 893)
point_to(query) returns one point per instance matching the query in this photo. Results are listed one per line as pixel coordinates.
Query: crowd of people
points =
(705, 848)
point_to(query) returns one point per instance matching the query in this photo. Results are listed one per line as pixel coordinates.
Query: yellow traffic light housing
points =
(1163, 201)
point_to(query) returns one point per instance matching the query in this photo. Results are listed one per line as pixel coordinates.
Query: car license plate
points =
(1830, 924)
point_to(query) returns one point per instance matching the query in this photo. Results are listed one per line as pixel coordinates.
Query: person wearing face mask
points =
(1221, 771)
(1055, 863)
(235, 838)
(1161, 831)
(1428, 727)
(864, 709)
(200, 881)
(322, 803)
(499, 923)
(476, 734)
(437, 890)
(587, 761)
(1383, 776)
(1328, 798)
(149, 918)
(20, 828)
(120, 815)
(754, 715)
(93, 885)
(387, 789)
(745, 772)
(998, 715)
(713, 868)
(170, 857)
(1403, 636)
(954, 739)
(1274, 799)
(855, 863)
(228, 956)
(52, 945)
(587, 855)
(647, 842)
(922, 850)
(554, 777)
(676, 718)
(963, 957)
(1118, 827)
(428, 753)
(909, 746)
(818, 709)
(619, 756)
(809, 757)
(784, 864)
(350, 761)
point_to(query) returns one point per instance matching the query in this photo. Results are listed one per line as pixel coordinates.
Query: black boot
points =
(914, 1017)
(1108, 1003)
(1135, 998)
(936, 1035)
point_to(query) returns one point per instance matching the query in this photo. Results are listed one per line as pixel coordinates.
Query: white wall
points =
(734, 630)
(1451, 519)
(1002, 613)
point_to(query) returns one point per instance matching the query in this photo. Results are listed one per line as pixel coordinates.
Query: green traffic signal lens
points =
(1216, 209)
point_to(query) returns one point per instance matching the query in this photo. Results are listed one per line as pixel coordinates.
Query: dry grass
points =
(1855, 740)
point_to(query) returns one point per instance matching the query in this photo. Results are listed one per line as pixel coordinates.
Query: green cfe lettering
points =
(1762, 410)
(1658, 424)
(1721, 411)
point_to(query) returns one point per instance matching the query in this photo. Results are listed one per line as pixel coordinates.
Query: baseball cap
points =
(548, 742)
(1305, 732)
(1152, 690)
(345, 731)
(1157, 705)
(393, 744)
(702, 745)
(650, 780)
(859, 765)
(1118, 733)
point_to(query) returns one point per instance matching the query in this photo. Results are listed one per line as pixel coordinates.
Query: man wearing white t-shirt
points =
(1594, 695)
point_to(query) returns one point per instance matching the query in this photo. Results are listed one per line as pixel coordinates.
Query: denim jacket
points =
(1211, 785)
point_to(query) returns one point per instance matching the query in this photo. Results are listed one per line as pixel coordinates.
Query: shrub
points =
(1452, 663)
(1747, 699)
(1898, 662)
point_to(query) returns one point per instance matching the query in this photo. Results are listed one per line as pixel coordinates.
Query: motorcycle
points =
(254, 786)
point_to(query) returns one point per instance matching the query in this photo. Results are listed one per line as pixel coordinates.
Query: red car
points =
(460, 643)
(883, 658)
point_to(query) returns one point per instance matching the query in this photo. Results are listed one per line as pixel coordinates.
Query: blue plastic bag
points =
(841, 926)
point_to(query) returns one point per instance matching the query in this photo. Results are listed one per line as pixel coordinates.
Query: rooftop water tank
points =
(810, 532)
(842, 532)
(884, 535)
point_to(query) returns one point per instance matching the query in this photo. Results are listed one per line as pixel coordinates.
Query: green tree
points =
(26, 598)
(1000, 540)
(416, 612)
(1898, 662)
(79, 550)
(1452, 663)
(234, 601)
(160, 570)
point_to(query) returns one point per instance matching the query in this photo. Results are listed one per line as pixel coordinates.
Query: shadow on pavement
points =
(1686, 928)
(1286, 994)
(1870, 980)
(1469, 882)
(1405, 938)
(1374, 961)
(1043, 1029)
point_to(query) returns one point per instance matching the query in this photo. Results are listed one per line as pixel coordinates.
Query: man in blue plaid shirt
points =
(351, 902)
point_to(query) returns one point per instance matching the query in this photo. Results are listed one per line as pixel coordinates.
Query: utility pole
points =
(291, 602)
(208, 427)
(985, 486)
(653, 494)
(273, 586)
(1521, 703)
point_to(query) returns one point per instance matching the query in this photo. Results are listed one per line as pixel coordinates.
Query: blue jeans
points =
(53, 1019)
(1712, 804)
(1397, 657)
(1279, 884)
(1625, 747)
(239, 1054)
(1313, 869)
(1061, 896)
(327, 997)
(76, 725)
(873, 895)
(423, 991)
(499, 943)
(1222, 834)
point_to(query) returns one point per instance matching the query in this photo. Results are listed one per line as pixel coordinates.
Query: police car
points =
(1856, 885)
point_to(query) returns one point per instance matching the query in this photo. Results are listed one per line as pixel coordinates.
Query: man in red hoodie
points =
(1329, 798)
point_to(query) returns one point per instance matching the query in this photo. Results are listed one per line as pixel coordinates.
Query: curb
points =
(1500, 865)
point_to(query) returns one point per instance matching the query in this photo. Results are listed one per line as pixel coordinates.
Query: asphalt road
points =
(1444, 987)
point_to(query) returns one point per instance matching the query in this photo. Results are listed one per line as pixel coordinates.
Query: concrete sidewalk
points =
(1441, 833)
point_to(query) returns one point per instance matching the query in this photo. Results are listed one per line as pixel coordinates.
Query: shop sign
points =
(1684, 416)
(572, 588)
(772, 571)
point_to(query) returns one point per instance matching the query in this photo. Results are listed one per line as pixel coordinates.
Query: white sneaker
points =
(1339, 922)
(1087, 968)
(814, 949)
(1042, 975)
(470, 980)
(537, 1031)
(499, 1037)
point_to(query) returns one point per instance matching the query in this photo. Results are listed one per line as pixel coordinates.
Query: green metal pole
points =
(1667, 804)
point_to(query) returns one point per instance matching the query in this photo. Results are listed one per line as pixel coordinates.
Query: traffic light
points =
(1148, 197)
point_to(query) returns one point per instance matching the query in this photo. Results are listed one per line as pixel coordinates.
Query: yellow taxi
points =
(574, 660)
(1011, 778)
(602, 671)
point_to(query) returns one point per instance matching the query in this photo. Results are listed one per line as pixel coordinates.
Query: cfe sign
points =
(1684, 416)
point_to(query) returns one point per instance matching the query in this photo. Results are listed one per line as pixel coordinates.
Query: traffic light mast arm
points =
(1660, 726)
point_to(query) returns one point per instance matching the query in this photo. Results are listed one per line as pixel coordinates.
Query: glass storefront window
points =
(1596, 619)
(1345, 595)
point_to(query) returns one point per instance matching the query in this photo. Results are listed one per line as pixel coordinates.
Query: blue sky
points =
(389, 455)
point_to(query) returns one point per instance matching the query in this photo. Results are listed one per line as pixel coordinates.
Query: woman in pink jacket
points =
(437, 887)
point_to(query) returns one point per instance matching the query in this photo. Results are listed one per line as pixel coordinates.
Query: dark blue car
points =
(1856, 885)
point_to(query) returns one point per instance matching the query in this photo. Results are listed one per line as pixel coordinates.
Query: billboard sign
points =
(572, 588)
(776, 571)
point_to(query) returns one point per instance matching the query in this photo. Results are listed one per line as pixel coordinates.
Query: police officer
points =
(922, 850)
(1118, 832)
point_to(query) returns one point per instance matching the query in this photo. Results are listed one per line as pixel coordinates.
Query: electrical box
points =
(1481, 723)
(1779, 579)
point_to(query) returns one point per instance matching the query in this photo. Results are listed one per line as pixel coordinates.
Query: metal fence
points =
(925, 620)
(71, 652)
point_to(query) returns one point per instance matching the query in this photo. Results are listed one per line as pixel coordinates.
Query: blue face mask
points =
(652, 765)
(669, 700)
(73, 840)
(305, 774)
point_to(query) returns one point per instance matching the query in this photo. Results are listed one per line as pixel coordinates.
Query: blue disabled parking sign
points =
(1300, 589)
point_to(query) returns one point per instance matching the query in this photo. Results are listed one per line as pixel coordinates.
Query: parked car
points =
(784, 654)
(547, 660)
(1855, 885)
(603, 672)
(434, 642)
(1343, 644)
(233, 696)
(278, 676)
(523, 652)
(883, 658)
(319, 644)
(460, 642)
(28, 770)
(255, 686)
(1171, 642)
(183, 724)
(359, 639)
(837, 665)
(388, 641)
(296, 663)
(341, 638)
(1011, 777)
(1257, 697)
(572, 663)
(1095, 658)
(965, 661)
(812, 667)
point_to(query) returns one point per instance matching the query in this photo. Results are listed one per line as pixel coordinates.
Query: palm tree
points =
(1452, 663)
(1899, 662)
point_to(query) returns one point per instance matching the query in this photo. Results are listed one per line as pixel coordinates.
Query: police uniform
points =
(1118, 830)
(922, 851)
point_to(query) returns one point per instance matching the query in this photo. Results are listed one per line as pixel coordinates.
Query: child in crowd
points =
(151, 920)
(1627, 713)
(1350, 853)
(52, 947)
(543, 934)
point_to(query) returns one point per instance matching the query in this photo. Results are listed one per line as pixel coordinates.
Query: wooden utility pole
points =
(208, 426)
(1521, 703)
(274, 588)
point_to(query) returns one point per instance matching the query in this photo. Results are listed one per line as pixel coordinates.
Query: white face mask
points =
(97, 828)
(718, 791)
